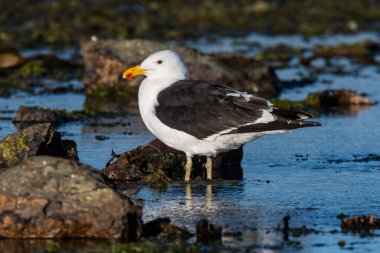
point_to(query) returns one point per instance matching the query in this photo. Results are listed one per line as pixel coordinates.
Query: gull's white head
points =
(162, 64)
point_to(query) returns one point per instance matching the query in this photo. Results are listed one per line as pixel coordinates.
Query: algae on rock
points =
(35, 140)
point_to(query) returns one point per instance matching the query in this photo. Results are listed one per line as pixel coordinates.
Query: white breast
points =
(148, 91)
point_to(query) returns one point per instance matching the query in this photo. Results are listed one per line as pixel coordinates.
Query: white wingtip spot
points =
(302, 116)
(265, 118)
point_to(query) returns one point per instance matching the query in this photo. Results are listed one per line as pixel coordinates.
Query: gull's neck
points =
(149, 90)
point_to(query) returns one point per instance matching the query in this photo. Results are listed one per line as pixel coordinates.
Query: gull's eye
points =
(159, 62)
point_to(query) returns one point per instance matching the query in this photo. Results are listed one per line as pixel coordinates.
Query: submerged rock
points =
(106, 60)
(38, 139)
(156, 162)
(48, 197)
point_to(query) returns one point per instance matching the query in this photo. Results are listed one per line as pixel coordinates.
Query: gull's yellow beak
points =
(135, 71)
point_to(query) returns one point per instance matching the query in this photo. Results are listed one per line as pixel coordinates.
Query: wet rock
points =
(106, 60)
(30, 115)
(326, 99)
(365, 224)
(38, 139)
(155, 162)
(48, 197)
(10, 59)
(163, 228)
(295, 232)
(303, 230)
(207, 232)
(343, 98)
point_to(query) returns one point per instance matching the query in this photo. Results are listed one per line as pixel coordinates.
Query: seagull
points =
(201, 117)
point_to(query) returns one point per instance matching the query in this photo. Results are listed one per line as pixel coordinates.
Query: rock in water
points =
(343, 98)
(105, 61)
(10, 59)
(364, 224)
(155, 162)
(30, 115)
(48, 197)
(38, 139)
(208, 233)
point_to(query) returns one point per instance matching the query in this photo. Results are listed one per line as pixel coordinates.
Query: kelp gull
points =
(201, 117)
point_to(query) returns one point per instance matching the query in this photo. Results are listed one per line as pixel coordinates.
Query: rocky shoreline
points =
(47, 193)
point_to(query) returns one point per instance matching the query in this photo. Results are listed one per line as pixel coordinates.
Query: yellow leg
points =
(209, 168)
(208, 195)
(189, 166)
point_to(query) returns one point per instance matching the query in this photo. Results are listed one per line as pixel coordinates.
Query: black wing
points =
(202, 109)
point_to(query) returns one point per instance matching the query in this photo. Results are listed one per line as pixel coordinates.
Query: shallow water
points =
(252, 43)
(309, 174)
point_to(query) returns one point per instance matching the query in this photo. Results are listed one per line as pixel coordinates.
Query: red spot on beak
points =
(129, 75)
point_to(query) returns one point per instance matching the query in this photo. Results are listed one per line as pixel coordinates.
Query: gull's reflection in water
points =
(208, 194)
(203, 199)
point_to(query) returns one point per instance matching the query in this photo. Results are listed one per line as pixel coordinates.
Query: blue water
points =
(289, 174)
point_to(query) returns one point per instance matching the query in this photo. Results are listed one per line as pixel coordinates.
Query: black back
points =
(201, 109)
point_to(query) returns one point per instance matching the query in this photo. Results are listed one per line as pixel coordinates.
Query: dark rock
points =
(39, 139)
(341, 243)
(162, 227)
(29, 115)
(155, 227)
(208, 233)
(101, 137)
(35, 114)
(285, 229)
(155, 162)
(365, 224)
(303, 230)
(106, 60)
(342, 98)
(47, 197)
(295, 232)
